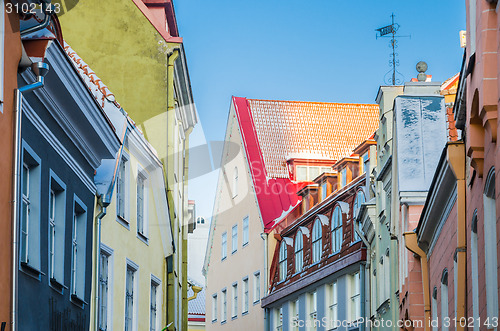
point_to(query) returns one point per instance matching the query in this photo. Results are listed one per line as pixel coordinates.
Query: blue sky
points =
(316, 50)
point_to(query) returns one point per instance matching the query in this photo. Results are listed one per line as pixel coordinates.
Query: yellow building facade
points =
(135, 48)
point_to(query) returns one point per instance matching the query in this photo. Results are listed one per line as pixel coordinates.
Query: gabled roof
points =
(273, 130)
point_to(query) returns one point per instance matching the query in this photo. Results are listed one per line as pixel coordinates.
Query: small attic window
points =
(343, 177)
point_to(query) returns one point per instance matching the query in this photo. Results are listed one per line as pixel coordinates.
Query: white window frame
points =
(358, 201)
(343, 177)
(245, 296)
(224, 245)
(336, 229)
(332, 304)
(133, 268)
(434, 312)
(78, 249)
(245, 230)
(317, 241)
(234, 301)
(282, 261)
(105, 283)
(214, 307)
(234, 239)
(30, 216)
(142, 204)
(279, 318)
(223, 316)
(57, 223)
(324, 189)
(294, 315)
(444, 299)
(299, 251)
(355, 297)
(312, 309)
(256, 287)
(155, 304)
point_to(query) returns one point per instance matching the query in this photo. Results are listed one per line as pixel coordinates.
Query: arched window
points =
(475, 270)
(316, 241)
(235, 182)
(444, 298)
(299, 252)
(358, 201)
(490, 245)
(282, 260)
(434, 307)
(336, 230)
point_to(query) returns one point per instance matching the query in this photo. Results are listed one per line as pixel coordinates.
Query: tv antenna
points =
(390, 31)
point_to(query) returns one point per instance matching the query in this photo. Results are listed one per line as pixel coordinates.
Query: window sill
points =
(223, 322)
(143, 238)
(256, 302)
(244, 313)
(233, 252)
(57, 286)
(77, 301)
(224, 258)
(123, 222)
(244, 245)
(214, 321)
(31, 270)
(234, 317)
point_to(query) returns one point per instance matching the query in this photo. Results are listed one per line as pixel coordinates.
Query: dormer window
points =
(324, 191)
(309, 173)
(343, 177)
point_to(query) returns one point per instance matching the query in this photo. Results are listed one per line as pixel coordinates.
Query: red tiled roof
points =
(274, 131)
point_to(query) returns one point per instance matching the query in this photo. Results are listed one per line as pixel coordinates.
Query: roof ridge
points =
(316, 102)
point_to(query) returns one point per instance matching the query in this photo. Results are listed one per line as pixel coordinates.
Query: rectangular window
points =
(312, 307)
(294, 315)
(129, 298)
(223, 316)
(234, 306)
(387, 277)
(279, 318)
(154, 321)
(224, 246)
(234, 238)
(121, 184)
(30, 209)
(256, 287)
(355, 297)
(214, 308)
(245, 231)
(57, 221)
(301, 173)
(78, 248)
(366, 162)
(245, 295)
(333, 304)
(141, 204)
(103, 291)
(313, 173)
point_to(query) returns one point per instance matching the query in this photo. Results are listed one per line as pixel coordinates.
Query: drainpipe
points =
(265, 237)
(365, 276)
(97, 250)
(412, 245)
(456, 158)
(40, 69)
(47, 10)
(170, 316)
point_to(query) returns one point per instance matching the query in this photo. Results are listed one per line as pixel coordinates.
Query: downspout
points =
(456, 158)
(169, 165)
(365, 276)
(412, 245)
(40, 69)
(97, 250)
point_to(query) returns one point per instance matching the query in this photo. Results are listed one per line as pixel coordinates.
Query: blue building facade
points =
(65, 135)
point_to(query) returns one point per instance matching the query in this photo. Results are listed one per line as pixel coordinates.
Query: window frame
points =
(56, 229)
(122, 191)
(235, 182)
(246, 227)
(234, 238)
(444, 294)
(224, 306)
(78, 257)
(245, 296)
(30, 243)
(142, 218)
(214, 307)
(299, 251)
(317, 241)
(355, 297)
(336, 230)
(256, 287)
(355, 210)
(234, 300)
(108, 253)
(133, 268)
(282, 261)
(156, 284)
(223, 245)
